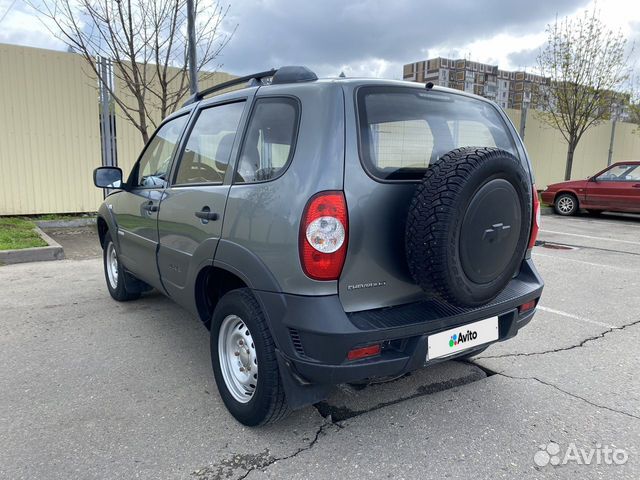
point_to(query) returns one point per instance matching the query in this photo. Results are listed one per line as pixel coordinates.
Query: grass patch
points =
(18, 233)
(61, 216)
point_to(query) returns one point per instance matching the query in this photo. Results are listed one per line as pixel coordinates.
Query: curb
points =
(77, 222)
(53, 251)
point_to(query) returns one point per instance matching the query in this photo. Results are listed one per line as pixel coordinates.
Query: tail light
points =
(535, 224)
(323, 236)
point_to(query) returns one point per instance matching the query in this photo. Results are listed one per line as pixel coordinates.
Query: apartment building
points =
(509, 89)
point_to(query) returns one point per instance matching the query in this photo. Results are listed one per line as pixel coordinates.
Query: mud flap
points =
(135, 285)
(299, 392)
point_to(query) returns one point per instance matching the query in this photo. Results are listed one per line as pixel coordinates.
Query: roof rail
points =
(196, 97)
(288, 74)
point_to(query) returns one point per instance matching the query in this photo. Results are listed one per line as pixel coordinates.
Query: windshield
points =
(404, 130)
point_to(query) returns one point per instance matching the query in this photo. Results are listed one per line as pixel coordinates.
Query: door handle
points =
(206, 215)
(636, 185)
(150, 207)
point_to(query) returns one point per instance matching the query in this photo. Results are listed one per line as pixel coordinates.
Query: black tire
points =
(119, 291)
(566, 204)
(468, 225)
(268, 403)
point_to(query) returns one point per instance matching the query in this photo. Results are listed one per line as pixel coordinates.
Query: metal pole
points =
(523, 119)
(106, 114)
(613, 136)
(191, 36)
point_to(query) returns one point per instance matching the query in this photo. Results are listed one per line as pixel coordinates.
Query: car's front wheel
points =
(566, 204)
(244, 360)
(115, 274)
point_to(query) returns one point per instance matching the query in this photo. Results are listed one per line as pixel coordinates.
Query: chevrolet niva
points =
(328, 231)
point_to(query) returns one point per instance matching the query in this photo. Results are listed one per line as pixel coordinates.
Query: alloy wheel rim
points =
(112, 265)
(565, 204)
(238, 358)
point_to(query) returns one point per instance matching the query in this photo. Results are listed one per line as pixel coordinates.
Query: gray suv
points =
(328, 231)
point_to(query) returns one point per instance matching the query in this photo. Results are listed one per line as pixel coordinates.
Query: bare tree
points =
(587, 67)
(147, 43)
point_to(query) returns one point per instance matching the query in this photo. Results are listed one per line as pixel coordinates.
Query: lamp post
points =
(615, 111)
(191, 39)
(524, 109)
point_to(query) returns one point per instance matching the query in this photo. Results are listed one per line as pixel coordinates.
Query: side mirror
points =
(107, 177)
(592, 179)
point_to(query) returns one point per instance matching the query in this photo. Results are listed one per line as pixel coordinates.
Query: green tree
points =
(587, 67)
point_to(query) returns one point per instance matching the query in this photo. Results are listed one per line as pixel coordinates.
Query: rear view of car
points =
(328, 231)
(428, 242)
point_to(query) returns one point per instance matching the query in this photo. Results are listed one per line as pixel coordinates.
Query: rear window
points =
(404, 130)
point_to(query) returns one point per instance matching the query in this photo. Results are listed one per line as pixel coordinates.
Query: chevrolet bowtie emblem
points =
(496, 233)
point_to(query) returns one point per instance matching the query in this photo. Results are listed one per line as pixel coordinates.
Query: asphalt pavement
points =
(92, 388)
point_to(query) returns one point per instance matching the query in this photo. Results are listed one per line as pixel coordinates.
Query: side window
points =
(269, 142)
(619, 173)
(206, 155)
(633, 175)
(154, 165)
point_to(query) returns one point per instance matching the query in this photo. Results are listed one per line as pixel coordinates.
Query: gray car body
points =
(254, 243)
(257, 233)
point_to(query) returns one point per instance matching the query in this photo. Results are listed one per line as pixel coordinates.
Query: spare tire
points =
(468, 225)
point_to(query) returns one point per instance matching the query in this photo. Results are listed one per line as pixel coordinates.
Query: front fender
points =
(105, 213)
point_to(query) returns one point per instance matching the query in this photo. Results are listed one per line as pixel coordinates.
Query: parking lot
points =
(92, 388)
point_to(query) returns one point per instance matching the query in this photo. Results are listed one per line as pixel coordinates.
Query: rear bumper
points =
(314, 334)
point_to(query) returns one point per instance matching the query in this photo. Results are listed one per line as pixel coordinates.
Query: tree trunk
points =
(567, 170)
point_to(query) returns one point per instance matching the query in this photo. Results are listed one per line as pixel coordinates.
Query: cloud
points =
(371, 36)
(524, 59)
(21, 26)
(360, 37)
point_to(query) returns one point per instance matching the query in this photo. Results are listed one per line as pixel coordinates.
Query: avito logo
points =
(457, 338)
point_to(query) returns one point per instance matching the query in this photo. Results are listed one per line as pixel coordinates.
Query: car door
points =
(192, 207)
(632, 189)
(137, 208)
(612, 188)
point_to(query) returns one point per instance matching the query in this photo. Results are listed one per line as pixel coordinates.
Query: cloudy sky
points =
(370, 37)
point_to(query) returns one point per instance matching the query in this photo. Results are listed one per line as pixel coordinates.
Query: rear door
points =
(614, 189)
(137, 208)
(193, 206)
(396, 133)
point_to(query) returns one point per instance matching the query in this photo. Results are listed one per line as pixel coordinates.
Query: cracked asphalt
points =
(90, 388)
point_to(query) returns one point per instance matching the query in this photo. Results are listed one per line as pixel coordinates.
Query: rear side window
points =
(269, 141)
(404, 130)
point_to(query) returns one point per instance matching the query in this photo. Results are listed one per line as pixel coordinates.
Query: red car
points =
(615, 189)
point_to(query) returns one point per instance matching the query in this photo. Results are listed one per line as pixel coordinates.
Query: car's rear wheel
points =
(244, 360)
(115, 273)
(566, 204)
